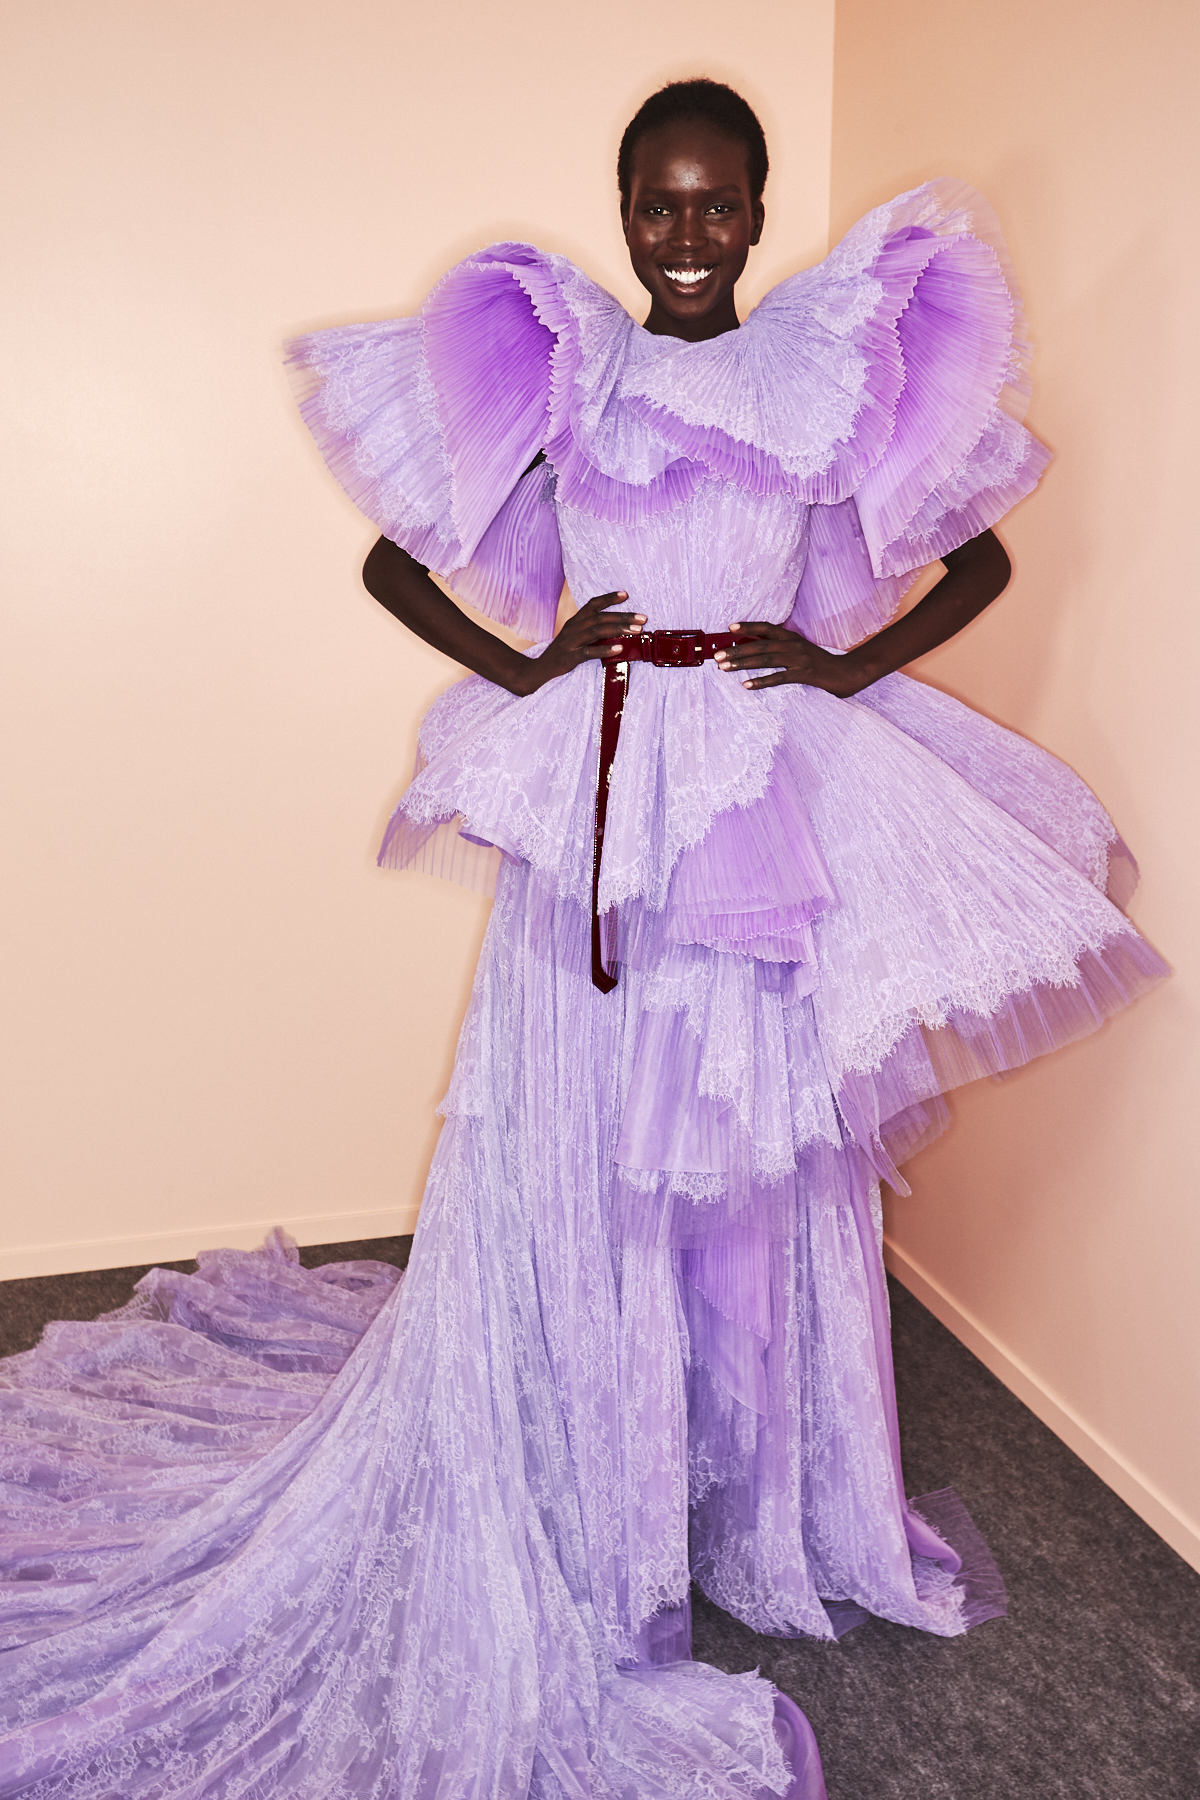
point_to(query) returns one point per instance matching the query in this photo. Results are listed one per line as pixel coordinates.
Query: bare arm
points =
(403, 586)
(975, 574)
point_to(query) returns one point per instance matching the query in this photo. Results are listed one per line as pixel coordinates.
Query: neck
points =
(721, 319)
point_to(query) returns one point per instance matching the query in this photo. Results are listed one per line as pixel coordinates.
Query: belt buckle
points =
(677, 649)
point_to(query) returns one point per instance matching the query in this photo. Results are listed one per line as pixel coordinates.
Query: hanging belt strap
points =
(666, 650)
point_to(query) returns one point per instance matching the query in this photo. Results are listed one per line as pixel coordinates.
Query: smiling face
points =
(690, 223)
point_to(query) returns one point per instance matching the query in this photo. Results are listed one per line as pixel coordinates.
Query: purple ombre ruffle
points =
(882, 386)
(953, 337)
(899, 838)
(367, 395)
(756, 880)
(689, 1168)
(942, 839)
(1028, 783)
(850, 589)
(364, 393)
(896, 1110)
(928, 319)
(516, 574)
(840, 599)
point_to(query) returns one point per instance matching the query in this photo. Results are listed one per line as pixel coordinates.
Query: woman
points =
(760, 900)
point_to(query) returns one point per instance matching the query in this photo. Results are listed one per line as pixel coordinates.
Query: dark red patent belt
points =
(666, 650)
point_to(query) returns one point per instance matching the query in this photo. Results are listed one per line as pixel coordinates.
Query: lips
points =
(688, 276)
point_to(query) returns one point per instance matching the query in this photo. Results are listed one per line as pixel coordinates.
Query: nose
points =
(690, 228)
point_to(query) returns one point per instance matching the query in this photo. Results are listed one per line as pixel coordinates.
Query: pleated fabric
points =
(329, 1535)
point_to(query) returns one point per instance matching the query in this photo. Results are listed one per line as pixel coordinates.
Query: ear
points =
(625, 220)
(758, 214)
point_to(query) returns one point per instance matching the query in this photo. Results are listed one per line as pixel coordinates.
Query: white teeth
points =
(688, 276)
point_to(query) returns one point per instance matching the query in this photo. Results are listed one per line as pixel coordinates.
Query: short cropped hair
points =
(710, 103)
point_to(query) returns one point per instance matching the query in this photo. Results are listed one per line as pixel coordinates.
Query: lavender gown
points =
(323, 1535)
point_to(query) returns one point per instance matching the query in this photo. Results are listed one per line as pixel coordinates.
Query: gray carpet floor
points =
(1089, 1690)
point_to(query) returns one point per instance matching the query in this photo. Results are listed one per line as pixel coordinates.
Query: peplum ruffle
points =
(964, 940)
(832, 922)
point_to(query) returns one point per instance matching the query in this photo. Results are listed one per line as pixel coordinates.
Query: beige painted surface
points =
(1058, 1220)
(216, 1013)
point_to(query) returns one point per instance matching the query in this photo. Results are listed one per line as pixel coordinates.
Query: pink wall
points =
(1056, 1226)
(218, 1014)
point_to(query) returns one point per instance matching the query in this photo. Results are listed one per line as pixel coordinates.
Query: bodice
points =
(720, 556)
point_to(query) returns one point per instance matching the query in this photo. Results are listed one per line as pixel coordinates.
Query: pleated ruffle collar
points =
(805, 396)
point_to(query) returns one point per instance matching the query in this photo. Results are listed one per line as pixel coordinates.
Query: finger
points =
(603, 633)
(599, 632)
(602, 600)
(752, 640)
(775, 680)
(766, 658)
(746, 647)
(761, 628)
(606, 652)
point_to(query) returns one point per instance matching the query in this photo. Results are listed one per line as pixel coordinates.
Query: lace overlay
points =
(388, 1580)
(1030, 785)
(329, 1534)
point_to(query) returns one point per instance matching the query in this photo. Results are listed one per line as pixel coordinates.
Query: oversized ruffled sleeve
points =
(938, 452)
(431, 424)
(884, 388)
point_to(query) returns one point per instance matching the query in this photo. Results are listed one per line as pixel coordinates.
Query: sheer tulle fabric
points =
(253, 1553)
(323, 1535)
(381, 1581)
(931, 866)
